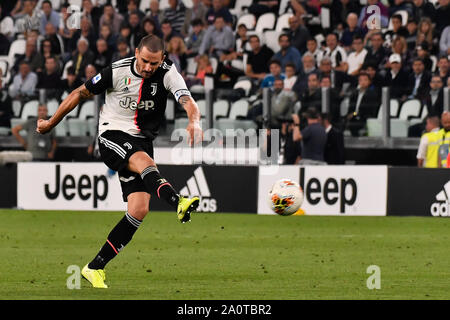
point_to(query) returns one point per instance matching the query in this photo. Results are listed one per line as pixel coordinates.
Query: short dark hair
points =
(152, 43)
(358, 36)
(312, 113)
(364, 74)
(326, 116)
(284, 35)
(418, 59)
(397, 16)
(71, 70)
(47, 2)
(254, 36)
(291, 65)
(275, 61)
(197, 22)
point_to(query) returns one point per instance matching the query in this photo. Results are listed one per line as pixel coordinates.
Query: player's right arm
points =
(69, 103)
(96, 85)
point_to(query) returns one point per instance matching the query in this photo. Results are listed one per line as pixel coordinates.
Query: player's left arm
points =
(193, 113)
(174, 82)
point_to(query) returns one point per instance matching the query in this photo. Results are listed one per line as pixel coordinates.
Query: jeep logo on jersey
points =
(133, 105)
(197, 186)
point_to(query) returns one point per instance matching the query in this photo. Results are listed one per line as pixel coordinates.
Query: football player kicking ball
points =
(135, 101)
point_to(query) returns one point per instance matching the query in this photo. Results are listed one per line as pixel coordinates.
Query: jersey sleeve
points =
(100, 82)
(174, 82)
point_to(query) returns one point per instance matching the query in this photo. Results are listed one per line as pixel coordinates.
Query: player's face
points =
(148, 62)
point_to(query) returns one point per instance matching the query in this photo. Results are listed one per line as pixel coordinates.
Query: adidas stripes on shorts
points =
(116, 148)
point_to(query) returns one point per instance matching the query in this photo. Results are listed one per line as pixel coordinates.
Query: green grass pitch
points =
(226, 256)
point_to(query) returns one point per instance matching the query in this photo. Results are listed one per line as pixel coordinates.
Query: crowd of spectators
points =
(355, 56)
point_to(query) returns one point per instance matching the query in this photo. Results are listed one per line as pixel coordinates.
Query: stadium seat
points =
(237, 118)
(52, 105)
(240, 7)
(220, 108)
(434, 61)
(248, 19)
(66, 66)
(191, 68)
(399, 127)
(283, 22)
(271, 39)
(244, 84)
(265, 22)
(404, 15)
(284, 7)
(17, 108)
(17, 47)
(4, 131)
(29, 109)
(56, 4)
(81, 125)
(394, 109)
(410, 109)
(4, 66)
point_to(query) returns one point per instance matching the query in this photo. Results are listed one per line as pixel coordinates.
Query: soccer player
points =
(136, 94)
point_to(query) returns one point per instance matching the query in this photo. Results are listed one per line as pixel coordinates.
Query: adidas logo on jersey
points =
(442, 206)
(196, 186)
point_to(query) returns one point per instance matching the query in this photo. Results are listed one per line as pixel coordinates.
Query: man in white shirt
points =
(355, 59)
(24, 83)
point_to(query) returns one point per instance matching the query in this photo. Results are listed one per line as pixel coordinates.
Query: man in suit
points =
(337, 77)
(334, 148)
(396, 78)
(364, 103)
(434, 100)
(418, 81)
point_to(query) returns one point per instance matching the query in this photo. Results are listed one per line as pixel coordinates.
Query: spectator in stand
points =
(275, 74)
(64, 31)
(258, 60)
(376, 52)
(422, 52)
(168, 32)
(314, 50)
(398, 5)
(50, 79)
(366, 13)
(29, 18)
(298, 33)
(364, 103)
(312, 96)
(396, 78)
(291, 78)
(103, 56)
(90, 71)
(337, 77)
(177, 53)
(400, 47)
(376, 79)
(6, 112)
(218, 9)
(341, 9)
(351, 30)
(155, 13)
(203, 67)
(72, 82)
(133, 6)
(148, 26)
(219, 39)
(195, 37)
(309, 66)
(411, 37)
(335, 101)
(335, 52)
(423, 8)
(313, 137)
(111, 18)
(82, 57)
(92, 13)
(123, 50)
(6, 26)
(240, 47)
(56, 41)
(260, 7)
(434, 100)
(427, 153)
(288, 53)
(442, 15)
(282, 102)
(135, 28)
(86, 31)
(334, 148)
(176, 15)
(355, 59)
(48, 16)
(198, 11)
(418, 81)
(24, 83)
(397, 28)
(443, 68)
(29, 56)
(426, 33)
(41, 146)
(444, 42)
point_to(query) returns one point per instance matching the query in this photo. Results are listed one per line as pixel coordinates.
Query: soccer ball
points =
(285, 197)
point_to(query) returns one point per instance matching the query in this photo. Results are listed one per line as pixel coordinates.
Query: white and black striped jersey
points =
(133, 104)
